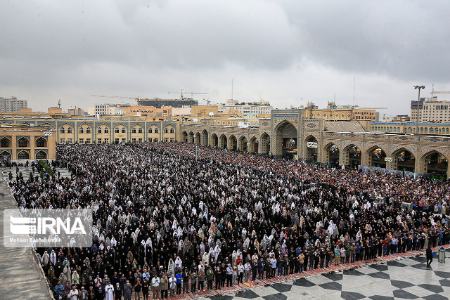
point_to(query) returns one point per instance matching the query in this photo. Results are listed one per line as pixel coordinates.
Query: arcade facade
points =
(287, 134)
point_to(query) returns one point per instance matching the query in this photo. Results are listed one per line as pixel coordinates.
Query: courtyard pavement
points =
(401, 278)
(20, 277)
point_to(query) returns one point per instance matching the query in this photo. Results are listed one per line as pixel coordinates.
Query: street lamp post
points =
(419, 88)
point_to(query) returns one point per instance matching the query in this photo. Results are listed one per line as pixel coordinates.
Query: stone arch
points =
(184, 136)
(66, 128)
(41, 154)
(5, 142)
(23, 154)
(253, 145)
(223, 142)
(352, 156)
(137, 129)
(120, 129)
(232, 143)
(265, 143)
(435, 163)
(377, 157)
(197, 138)
(214, 140)
(84, 128)
(191, 137)
(403, 159)
(205, 138)
(311, 149)
(285, 140)
(41, 142)
(169, 129)
(243, 144)
(332, 155)
(5, 155)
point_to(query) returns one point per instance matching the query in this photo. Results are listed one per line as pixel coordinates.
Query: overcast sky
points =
(283, 51)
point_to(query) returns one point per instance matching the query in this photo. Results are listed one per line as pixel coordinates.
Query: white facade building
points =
(12, 104)
(248, 109)
(430, 110)
(106, 110)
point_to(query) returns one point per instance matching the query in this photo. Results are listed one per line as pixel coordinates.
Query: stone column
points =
(364, 158)
(448, 169)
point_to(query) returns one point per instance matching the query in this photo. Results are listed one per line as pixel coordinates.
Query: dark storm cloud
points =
(150, 46)
(408, 39)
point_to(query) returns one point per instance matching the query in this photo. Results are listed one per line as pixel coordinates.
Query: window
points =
(150, 130)
(69, 140)
(116, 130)
(99, 141)
(81, 141)
(23, 155)
(81, 130)
(69, 130)
(41, 155)
(23, 142)
(99, 130)
(123, 130)
(140, 130)
(62, 141)
(172, 130)
(41, 142)
(88, 130)
(106, 130)
(62, 130)
(133, 130)
(156, 130)
(5, 142)
(88, 141)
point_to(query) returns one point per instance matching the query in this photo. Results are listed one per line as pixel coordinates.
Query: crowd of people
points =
(169, 219)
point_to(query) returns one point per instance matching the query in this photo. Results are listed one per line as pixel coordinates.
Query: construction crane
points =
(182, 93)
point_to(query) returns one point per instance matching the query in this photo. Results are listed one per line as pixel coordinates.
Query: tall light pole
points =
(418, 87)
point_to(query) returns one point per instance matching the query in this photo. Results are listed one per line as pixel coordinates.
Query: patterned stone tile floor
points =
(395, 277)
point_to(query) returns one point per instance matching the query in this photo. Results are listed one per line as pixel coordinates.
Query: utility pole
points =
(419, 88)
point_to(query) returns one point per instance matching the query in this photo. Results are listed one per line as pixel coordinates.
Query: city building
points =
(23, 142)
(285, 133)
(199, 111)
(396, 118)
(430, 110)
(424, 128)
(107, 109)
(76, 111)
(344, 144)
(159, 102)
(91, 130)
(247, 109)
(12, 104)
(341, 113)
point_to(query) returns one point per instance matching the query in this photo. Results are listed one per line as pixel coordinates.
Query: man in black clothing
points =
(429, 257)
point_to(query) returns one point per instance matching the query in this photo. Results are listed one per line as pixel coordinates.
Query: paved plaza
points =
(406, 278)
(20, 276)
